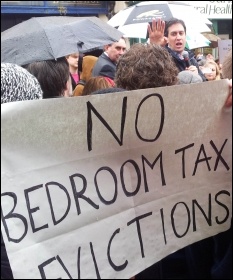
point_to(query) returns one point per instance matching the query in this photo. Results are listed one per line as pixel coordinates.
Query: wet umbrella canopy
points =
(133, 21)
(43, 38)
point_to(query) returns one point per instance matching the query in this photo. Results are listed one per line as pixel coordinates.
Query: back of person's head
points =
(17, 84)
(172, 22)
(188, 77)
(96, 83)
(107, 90)
(52, 75)
(88, 64)
(227, 65)
(145, 66)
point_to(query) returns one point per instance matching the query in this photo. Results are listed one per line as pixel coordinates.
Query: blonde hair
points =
(212, 63)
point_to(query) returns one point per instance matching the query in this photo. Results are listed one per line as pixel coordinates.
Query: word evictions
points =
(78, 181)
(189, 210)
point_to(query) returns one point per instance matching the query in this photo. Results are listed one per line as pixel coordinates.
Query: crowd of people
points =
(158, 63)
(161, 62)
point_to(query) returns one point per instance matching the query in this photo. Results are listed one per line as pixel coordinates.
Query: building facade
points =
(14, 12)
(220, 14)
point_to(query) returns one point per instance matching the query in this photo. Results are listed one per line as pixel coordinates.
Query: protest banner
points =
(104, 186)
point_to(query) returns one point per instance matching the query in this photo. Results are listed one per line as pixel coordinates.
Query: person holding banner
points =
(217, 264)
(17, 84)
(165, 268)
(209, 258)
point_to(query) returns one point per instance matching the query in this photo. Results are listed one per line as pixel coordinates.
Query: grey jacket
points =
(104, 67)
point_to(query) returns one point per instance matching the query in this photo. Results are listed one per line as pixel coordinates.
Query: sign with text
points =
(104, 186)
(213, 9)
(223, 47)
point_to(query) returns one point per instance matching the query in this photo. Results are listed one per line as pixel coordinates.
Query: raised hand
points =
(156, 32)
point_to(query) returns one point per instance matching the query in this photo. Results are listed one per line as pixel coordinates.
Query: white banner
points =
(104, 186)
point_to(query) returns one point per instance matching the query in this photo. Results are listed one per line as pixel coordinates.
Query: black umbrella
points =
(43, 38)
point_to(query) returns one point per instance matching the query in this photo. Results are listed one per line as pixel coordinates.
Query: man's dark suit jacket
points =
(104, 67)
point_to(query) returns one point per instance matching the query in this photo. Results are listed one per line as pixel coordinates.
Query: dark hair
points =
(52, 76)
(145, 66)
(172, 22)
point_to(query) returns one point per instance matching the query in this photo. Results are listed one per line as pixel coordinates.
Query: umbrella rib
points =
(48, 38)
(52, 52)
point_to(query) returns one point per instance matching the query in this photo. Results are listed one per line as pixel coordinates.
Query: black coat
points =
(180, 64)
(104, 67)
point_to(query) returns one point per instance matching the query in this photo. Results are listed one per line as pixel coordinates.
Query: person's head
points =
(211, 70)
(73, 61)
(17, 84)
(107, 90)
(188, 77)
(53, 76)
(145, 66)
(115, 50)
(227, 65)
(96, 83)
(175, 31)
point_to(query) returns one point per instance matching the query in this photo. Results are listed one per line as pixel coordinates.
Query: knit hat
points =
(187, 77)
(17, 84)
